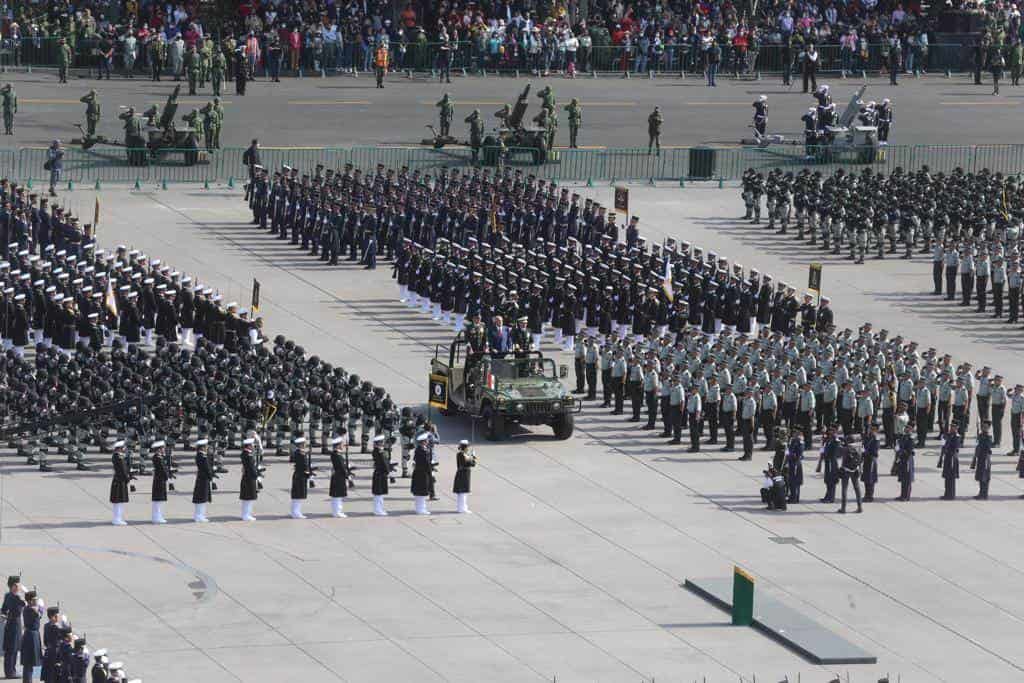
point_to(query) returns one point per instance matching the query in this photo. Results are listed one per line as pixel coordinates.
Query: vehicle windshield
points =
(519, 368)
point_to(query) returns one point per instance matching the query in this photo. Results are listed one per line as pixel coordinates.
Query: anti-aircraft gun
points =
(151, 134)
(513, 135)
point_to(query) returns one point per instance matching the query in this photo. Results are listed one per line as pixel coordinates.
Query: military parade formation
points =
(120, 352)
(684, 339)
(969, 224)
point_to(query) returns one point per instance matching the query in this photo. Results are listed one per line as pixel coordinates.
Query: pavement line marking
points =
(187, 98)
(331, 102)
(717, 104)
(975, 104)
(500, 102)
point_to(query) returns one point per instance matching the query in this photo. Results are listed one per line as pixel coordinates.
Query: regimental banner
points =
(438, 397)
(255, 307)
(814, 278)
(622, 199)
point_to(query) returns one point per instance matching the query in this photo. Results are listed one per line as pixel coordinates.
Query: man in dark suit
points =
(500, 337)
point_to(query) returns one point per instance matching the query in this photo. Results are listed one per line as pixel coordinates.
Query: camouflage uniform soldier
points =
(575, 119)
(209, 125)
(63, 60)
(205, 62)
(10, 107)
(654, 122)
(219, 110)
(195, 119)
(92, 112)
(193, 68)
(218, 66)
(476, 132)
(446, 115)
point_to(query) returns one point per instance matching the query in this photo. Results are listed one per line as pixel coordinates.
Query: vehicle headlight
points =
(556, 405)
(520, 408)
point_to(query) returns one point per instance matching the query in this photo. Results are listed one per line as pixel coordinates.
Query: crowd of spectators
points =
(533, 36)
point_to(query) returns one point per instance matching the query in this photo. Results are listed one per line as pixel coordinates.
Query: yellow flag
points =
(96, 217)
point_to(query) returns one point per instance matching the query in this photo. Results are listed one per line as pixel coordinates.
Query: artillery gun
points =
(150, 135)
(515, 136)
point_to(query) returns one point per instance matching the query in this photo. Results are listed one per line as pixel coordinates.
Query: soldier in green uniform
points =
(218, 66)
(195, 120)
(575, 118)
(503, 115)
(547, 96)
(543, 121)
(476, 132)
(193, 68)
(10, 106)
(654, 122)
(205, 62)
(157, 54)
(209, 123)
(64, 59)
(92, 112)
(133, 139)
(446, 115)
(219, 110)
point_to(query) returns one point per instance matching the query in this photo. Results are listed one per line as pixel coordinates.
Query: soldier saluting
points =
(465, 461)
(446, 114)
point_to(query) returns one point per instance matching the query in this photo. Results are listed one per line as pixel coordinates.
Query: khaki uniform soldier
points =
(10, 107)
(654, 122)
(92, 112)
(63, 60)
(476, 132)
(446, 115)
(218, 66)
(575, 113)
(193, 68)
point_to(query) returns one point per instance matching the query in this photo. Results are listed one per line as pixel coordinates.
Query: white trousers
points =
(338, 507)
(200, 513)
(378, 506)
(158, 513)
(421, 505)
(247, 511)
(296, 512)
(403, 293)
(460, 322)
(118, 515)
(462, 503)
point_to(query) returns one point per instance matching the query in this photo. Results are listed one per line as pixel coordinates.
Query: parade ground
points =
(571, 568)
(346, 110)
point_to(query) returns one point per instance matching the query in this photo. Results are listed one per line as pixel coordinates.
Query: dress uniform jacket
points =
(463, 469)
(160, 477)
(339, 475)
(202, 492)
(248, 489)
(51, 652)
(381, 471)
(119, 484)
(421, 472)
(301, 473)
(31, 646)
(12, 607)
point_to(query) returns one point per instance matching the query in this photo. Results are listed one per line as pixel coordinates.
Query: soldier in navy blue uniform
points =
(120, 483)
(31, 650)
(11, 610)
(793, 467)
(248, 489)
(202, 491)
(869, 466)
(949, 462)
(905, 463)
(830, 454)
(982, 461)
(422, 472)
(302, 473)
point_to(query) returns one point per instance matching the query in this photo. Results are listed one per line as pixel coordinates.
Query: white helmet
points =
(762, 98)
(885, 101)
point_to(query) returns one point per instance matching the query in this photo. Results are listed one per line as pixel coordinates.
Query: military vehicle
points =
(502, 389)
(511, 137)
(844, 141)
(156, 136)
(515, 137)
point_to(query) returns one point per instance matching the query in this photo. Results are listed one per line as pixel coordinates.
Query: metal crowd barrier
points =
(475, 58)
(110, 164)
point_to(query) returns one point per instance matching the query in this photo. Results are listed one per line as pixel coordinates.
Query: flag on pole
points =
(110, 301)
(666, 282)
(96, 216)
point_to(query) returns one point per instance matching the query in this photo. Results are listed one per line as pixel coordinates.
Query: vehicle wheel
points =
(563, 427)
(494, 425)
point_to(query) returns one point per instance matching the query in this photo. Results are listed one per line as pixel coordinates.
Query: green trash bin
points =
(702, 163)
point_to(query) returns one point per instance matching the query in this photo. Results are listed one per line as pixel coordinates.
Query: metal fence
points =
(110, 165)
(483, 57)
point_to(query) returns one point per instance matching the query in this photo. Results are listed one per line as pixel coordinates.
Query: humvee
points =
(501, 389)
